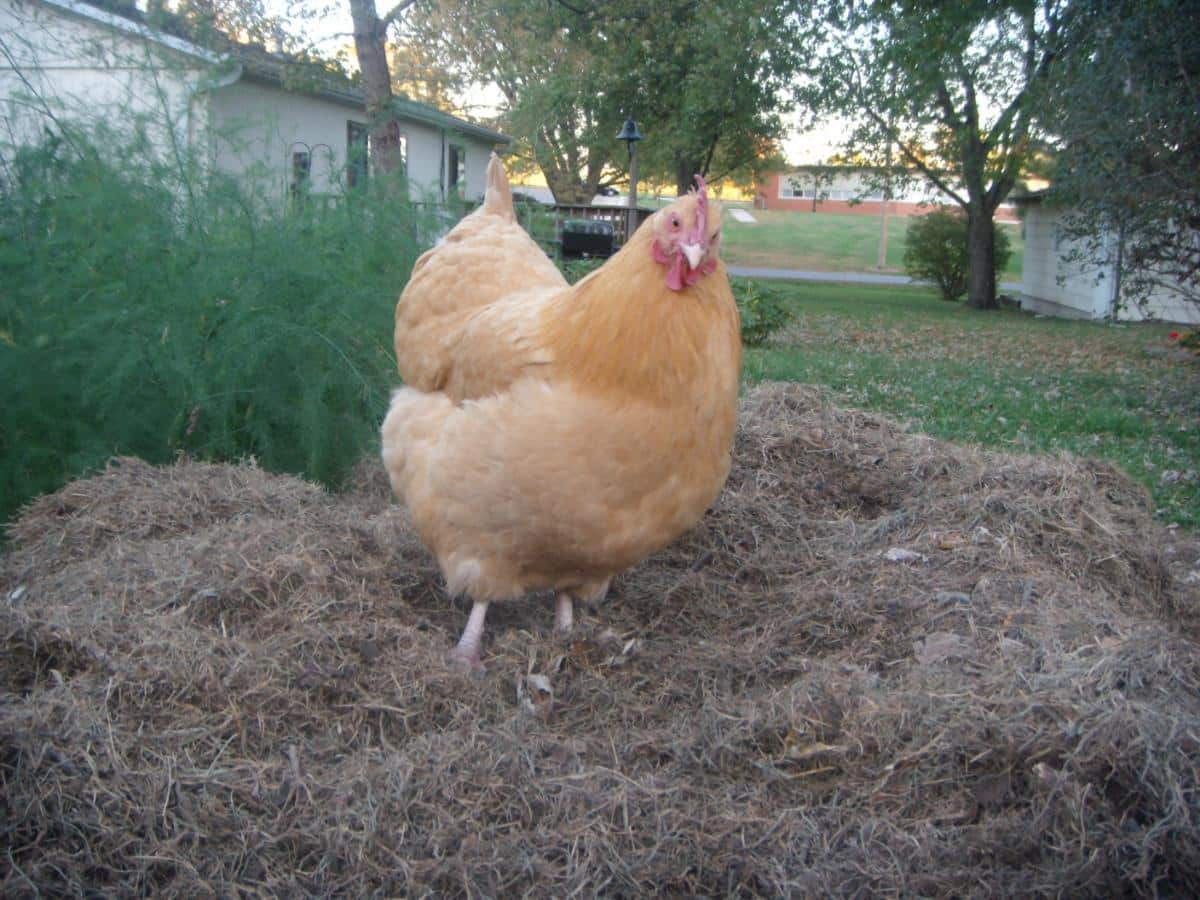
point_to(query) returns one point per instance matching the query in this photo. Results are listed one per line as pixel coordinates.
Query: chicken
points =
(549, 437)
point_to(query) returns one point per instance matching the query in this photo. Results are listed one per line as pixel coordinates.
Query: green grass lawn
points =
(1002, 379)
(828, 242)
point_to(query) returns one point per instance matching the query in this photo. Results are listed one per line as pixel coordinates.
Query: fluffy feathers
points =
(548, 436)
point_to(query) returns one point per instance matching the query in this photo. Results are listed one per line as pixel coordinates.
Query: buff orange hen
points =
(551, 436)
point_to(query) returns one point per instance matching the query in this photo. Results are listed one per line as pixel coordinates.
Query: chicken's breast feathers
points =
(547, 486)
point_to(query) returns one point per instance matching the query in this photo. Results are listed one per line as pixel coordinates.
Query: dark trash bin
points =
(587, 238)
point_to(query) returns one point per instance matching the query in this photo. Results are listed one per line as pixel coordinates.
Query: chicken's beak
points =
(694, 253)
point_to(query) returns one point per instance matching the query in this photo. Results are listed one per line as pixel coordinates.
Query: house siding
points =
(62, 67)
(257, 127)
(68, 62)
(1052, 284)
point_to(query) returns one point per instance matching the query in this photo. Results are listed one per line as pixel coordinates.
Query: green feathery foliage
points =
(139, 315)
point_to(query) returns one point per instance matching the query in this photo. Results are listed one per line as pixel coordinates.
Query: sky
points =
(335, 31)
(815, 146)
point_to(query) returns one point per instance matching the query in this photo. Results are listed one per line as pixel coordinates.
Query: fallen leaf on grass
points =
(535, 696)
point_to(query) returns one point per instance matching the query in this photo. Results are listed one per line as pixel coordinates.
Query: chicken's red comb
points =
(700, 230)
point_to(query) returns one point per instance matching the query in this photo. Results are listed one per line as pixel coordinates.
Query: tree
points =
(935, 249)
(712, 86)
(418, 76)
(957, 90)
(370, 45)
(702, 82)
(562, 100)
(1129, 126)
(816, 180)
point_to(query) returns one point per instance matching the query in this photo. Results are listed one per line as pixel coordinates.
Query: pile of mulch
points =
(882, 664)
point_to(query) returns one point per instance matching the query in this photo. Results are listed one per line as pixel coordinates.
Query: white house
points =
(853, 190)
(1060, 279)
(241, 113)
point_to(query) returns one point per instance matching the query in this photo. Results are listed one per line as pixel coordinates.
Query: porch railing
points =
(617, 215)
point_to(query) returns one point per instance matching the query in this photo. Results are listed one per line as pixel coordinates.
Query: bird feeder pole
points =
(630, 135)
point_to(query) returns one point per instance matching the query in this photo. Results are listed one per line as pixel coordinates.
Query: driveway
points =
(841, 277)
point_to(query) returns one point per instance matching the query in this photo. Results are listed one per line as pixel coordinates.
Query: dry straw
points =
(882, 665)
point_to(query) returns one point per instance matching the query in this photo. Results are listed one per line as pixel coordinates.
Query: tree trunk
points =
(370, 45)
(566, 187)
(981, 249)
(685, 174)
(568, 192)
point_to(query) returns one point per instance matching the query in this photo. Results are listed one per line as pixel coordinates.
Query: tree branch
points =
(915, 160)
(395, 13)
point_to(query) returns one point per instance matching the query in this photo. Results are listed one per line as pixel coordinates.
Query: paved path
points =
(800, 275)
(842, 277)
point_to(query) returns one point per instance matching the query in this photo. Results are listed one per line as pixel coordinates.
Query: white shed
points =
(238, 113)
(1060, 279)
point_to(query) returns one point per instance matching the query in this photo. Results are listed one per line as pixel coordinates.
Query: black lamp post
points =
(630, 135)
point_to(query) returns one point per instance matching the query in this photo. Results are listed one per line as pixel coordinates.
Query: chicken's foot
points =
(467, 651)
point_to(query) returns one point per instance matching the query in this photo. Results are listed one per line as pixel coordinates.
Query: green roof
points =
(262, 65)
(259, 64)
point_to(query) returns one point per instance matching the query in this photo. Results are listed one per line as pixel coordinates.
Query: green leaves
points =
(763, 309)
(953, 91)
(135, 324)
(704, 82)
(936, 249)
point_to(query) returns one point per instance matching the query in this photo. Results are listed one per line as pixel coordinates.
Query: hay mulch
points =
(882, 665)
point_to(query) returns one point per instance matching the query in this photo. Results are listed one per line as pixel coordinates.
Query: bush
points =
(936, 250)
(142, 316)
(763, 310)
(575, 270)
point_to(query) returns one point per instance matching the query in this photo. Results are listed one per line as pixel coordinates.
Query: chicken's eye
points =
(675, 223)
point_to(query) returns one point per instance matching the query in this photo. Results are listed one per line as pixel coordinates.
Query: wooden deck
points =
(617, 215)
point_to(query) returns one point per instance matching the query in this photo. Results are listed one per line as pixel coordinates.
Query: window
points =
(391, 154)
(357, 168)
(301, 173)
(457, 171)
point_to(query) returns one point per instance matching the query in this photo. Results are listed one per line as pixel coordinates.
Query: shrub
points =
(763, 310)
(936, 250)
(576, 269)
(145, 317)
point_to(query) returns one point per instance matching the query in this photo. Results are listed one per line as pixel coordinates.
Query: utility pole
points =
(630, 135)
(887, 180)
(883, 211)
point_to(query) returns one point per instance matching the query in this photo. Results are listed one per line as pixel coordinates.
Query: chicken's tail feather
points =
(498, 198)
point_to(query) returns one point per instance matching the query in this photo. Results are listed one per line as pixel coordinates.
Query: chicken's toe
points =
(467, 661)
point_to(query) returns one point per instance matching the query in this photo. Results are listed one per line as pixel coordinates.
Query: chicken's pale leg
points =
(467, 651)
(564, 611)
